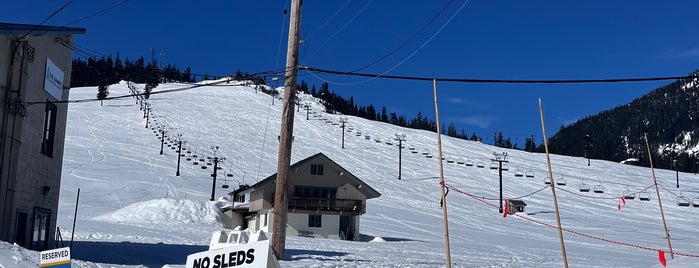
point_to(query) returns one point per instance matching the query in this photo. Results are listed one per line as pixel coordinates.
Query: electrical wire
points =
(417, 50)
(97, 13)
(500, 81)
(341, 28)
(406, 41)
(46, 19)
(328, 20)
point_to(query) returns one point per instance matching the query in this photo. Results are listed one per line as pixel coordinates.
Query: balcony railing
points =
(324, 204)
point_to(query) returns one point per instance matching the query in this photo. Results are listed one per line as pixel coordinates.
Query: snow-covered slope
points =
(133, 210)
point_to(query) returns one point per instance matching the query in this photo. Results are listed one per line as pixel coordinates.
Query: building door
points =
(346, 228)
(21, 229)
(40, 229)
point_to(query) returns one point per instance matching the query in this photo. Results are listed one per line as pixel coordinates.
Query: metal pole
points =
(147, 119)
(179, 156)
(343, 121)
(75, 217)
(162, 140)
(213, 184)
(400, 154)
(500, 172)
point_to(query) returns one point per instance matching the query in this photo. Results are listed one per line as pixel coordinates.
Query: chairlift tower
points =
(216, 160)
(179, 153)
(400, 138)
(343, 122)
(500, 158)
(162, 140)
(677, 172)
(307, 107)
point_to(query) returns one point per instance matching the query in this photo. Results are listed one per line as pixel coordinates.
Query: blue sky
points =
(470, 39)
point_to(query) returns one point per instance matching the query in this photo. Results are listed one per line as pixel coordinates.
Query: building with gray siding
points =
(35, 67)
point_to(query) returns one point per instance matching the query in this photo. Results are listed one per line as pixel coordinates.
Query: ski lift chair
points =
(628, 194)
(561, 181)
(519, 173)
(584, 187)
(225, 182)
(425, 152)
(505, 166)
(644, 195)
(695, 202)
(428, 155)
(480, 164)
(529, 174)
(547, 181)
(683, 201)
(493, 165)
(460, 161)
(203, 167)
(469, 163)
(598, 188)
(450, 160)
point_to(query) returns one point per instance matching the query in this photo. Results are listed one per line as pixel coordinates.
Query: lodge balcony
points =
(330, 206)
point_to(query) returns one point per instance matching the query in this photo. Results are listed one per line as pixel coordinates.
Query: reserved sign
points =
(55, 258)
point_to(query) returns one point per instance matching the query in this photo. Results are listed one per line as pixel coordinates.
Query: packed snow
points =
(133, 211)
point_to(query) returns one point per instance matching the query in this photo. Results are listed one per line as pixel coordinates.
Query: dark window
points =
(315, 192)
(21, 228)
(49, 129)
(314, 220)
(316, 169)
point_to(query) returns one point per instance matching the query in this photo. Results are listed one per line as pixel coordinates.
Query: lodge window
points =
(314, 220)
(316, 169)
(49, 132)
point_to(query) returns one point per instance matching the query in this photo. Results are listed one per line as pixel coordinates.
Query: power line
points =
(49, 17)
(500, 81)
(406, 41)
(97, 13)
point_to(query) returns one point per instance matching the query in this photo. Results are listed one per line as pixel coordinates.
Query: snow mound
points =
(12, 255)
(164, 211)
(378, 239)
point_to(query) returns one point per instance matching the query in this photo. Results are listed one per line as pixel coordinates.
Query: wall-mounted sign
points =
(53, 80)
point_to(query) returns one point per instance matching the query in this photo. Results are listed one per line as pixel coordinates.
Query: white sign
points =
(253, 254)
(53, 81)
(55, 258)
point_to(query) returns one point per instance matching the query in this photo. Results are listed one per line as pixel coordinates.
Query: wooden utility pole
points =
(281, 198)
(660, 201)
(441, 177)
(553, 188)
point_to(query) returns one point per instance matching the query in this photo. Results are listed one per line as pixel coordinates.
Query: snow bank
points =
(164, 211)
(12, 255)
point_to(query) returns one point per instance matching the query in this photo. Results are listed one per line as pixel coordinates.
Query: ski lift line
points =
(519, 197)
(567, 229)
(599, 197)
